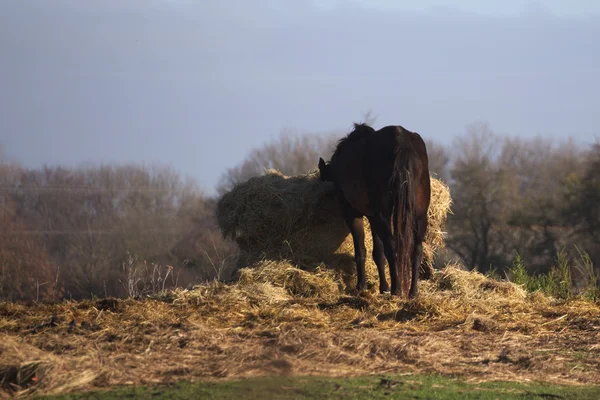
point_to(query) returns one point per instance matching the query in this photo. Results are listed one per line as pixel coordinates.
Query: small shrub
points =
(520, 276)
(585, 266)
(558, 281)
(519, 272)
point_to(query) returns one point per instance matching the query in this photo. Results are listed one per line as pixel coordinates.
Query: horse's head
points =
(325, 172)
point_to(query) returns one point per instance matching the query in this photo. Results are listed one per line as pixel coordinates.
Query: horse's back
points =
(384, 144)
(404, 141)
(365, 165)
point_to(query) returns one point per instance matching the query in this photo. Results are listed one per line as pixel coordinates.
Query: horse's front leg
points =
(356, 225)
(379, 258)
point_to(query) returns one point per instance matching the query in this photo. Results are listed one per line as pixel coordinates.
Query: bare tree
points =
(509, 195)
(291, 153)
(583, 206)
(542, 168)
(482, 191)
(25, 270)
(439, 161)
(90, 219)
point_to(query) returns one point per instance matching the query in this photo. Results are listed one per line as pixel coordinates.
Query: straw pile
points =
(275, 217)
(278, 319)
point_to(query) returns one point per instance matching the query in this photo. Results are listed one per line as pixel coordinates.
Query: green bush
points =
(558, 281)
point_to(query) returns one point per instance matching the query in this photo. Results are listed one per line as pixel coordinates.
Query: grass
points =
(370, 387)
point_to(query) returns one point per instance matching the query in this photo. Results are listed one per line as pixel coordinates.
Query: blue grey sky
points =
(198, 84)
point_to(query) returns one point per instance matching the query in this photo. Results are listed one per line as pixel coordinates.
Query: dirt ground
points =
(463, 324)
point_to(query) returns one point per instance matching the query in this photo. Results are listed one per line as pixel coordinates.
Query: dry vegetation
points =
(277, 318)
(281, 320)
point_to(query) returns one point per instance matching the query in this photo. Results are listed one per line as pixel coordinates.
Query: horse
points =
(383, 175)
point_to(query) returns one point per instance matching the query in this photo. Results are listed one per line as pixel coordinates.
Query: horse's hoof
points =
(361, 289)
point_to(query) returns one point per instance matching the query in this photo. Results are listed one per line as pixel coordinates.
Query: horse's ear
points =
(321, 163)
(323, 170)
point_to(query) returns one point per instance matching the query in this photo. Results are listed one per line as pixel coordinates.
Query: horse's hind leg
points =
(356, 224)
(417, 257)
(422, 201)
(381, 225)
(379, 258)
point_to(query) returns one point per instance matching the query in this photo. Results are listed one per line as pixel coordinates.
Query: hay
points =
(278, 319)
(321, 283)
(275, 217)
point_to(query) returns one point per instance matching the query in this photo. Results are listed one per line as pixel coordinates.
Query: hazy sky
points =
(197, 84)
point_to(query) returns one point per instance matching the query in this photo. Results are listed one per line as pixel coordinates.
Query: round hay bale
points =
(297, 218)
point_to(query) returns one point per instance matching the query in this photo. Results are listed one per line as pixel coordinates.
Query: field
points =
(290, 324)
(278, 320)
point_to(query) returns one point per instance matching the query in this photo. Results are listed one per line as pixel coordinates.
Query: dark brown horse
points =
(383, 175)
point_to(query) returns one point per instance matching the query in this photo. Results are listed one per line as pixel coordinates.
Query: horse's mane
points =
(359, 132)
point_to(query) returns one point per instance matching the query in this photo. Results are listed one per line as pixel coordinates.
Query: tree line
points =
(130, 230)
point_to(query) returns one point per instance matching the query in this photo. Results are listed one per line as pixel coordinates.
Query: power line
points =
(87, 231)
(83, 189)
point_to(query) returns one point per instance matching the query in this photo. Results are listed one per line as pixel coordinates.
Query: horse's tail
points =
(404, 189)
